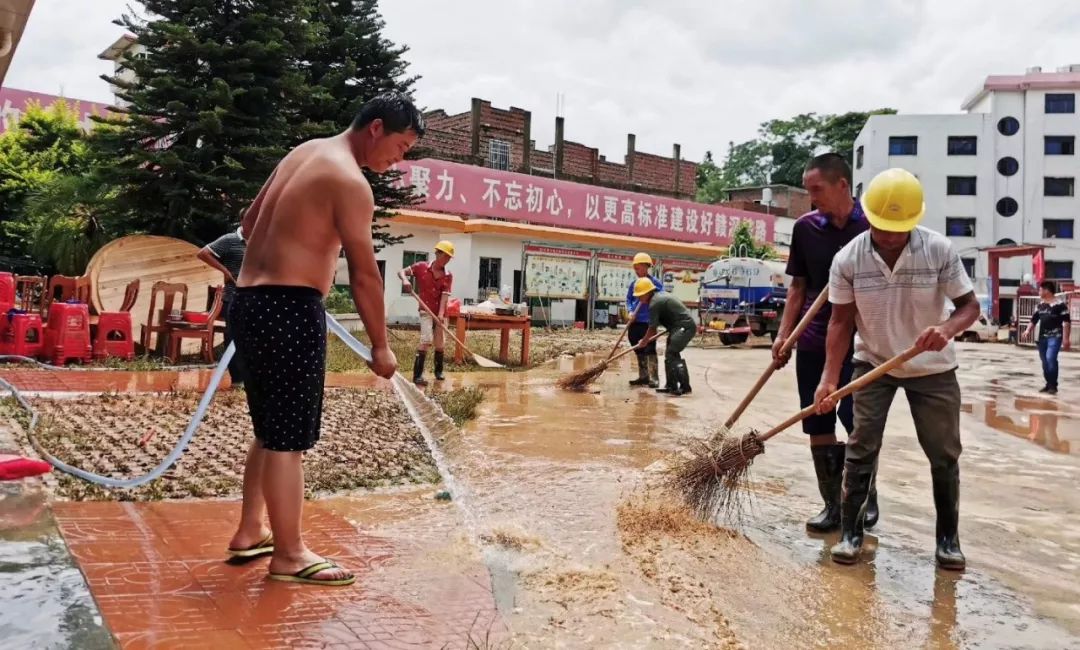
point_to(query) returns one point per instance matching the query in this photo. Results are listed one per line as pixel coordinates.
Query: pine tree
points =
(348, 63)
(207, 117)
(224, 90)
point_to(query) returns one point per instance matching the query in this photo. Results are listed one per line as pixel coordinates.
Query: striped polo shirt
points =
(894, 306)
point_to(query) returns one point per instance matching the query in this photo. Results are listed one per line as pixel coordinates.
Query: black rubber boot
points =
(642, 371)
(852, 513)
(829, 467)
(682, 375)
(871, 504)
(672, 381)
(440, 358)
(654, 370)
(418, 369)
(947, 502)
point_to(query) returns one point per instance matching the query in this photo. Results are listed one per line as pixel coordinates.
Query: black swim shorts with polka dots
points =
(281, 333)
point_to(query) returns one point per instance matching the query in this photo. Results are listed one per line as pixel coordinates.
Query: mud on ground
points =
(368, 440)
(544, 346)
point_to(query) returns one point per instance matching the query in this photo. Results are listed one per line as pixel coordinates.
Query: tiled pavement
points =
(158, 574)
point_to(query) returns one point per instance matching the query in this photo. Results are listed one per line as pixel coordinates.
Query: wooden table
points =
(505, 324)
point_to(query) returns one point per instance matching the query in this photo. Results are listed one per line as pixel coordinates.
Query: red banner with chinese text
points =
(479, 191)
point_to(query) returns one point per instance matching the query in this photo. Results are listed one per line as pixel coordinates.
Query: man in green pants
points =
(667, 310)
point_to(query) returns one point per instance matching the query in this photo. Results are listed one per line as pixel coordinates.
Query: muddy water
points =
(46, 603)
(550, 468)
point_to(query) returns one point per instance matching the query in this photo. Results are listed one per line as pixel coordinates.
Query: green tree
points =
(783, 147)
(838, 132)
(47, 144)
(710, 187)
(743, 244)
(349, 62)
(206, 118)
(224, 90)
(66, 227)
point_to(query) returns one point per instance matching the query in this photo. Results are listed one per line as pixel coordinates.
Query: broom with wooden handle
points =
(626, 329)
(789, 343)
(583, 378)
(713, 477)
(483, 362)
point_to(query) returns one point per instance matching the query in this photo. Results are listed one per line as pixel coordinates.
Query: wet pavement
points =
(554, 467)
(158, 575)
(45, 602)
(546, 484)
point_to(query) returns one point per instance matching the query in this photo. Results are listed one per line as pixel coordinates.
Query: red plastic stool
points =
(21, 334)
(67, 335)
(113, 337)
(7, 290)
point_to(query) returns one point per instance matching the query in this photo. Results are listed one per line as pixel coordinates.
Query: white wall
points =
(932, 165)
(468, 249)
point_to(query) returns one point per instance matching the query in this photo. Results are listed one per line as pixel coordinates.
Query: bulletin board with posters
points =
(614, 274)
(682, 279)
(557, 272)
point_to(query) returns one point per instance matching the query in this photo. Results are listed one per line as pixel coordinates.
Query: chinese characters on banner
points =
(556, 272)
(682, 278)
(614, 274)
(466, 189)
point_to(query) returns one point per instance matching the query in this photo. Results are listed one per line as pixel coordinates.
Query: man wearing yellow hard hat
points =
(892, 283)
(668, 311)
(433, 285)
(648, 364)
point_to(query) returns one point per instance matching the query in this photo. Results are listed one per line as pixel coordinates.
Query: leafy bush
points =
(339, 301)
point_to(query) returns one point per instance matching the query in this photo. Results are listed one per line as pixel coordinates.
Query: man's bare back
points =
(295, 236)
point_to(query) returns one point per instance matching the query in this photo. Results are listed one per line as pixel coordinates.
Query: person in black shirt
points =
(1052, 317)
(226, 254)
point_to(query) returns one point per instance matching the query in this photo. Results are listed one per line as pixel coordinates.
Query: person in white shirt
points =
(892, 284)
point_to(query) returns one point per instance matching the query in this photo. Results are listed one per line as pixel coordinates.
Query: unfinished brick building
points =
(502, 139)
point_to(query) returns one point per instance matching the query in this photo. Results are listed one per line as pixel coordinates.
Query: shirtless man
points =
(315, 203)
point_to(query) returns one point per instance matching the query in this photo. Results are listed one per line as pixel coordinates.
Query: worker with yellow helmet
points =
(669, 312)
(648, 364)
(889, 286)
(433, 285)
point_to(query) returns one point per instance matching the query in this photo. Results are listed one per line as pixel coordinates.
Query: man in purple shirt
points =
(815, 239)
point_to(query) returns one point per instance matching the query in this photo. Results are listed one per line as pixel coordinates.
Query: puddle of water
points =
(563, 462)
(1046, 423)
(46, 603)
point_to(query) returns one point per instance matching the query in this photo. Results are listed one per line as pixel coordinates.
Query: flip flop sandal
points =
(303, 576)
(265, 547)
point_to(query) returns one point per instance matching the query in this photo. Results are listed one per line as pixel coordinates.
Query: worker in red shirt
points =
(433, 284)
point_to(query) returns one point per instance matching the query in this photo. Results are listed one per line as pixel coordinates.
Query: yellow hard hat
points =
(446, 247)
(643, 286)
(642, 258)
(894, 201)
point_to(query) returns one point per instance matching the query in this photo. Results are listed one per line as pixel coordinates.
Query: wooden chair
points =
(156, 320)
(131, 295)
(202, 331)
(30, 292)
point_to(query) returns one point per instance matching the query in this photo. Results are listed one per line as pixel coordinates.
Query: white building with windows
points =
(1001, 172)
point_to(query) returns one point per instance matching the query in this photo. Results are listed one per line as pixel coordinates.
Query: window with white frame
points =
(499, 154)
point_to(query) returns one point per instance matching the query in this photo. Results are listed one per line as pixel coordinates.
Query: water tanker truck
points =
(741, 296)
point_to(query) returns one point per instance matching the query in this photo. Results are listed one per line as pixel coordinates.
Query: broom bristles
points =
(583, 378)
(713, 477)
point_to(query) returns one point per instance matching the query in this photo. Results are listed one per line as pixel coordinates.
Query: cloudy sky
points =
(694, 72)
